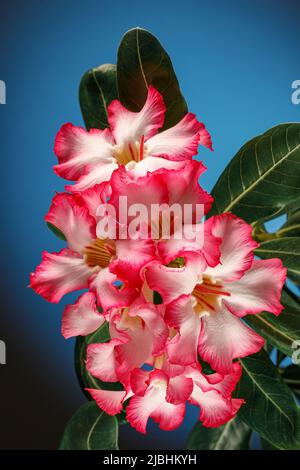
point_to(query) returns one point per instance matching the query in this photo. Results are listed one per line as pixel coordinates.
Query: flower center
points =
(130, 151)
(208, 294)
(99, 253)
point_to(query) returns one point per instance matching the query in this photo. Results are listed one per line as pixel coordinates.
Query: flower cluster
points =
(173, 305)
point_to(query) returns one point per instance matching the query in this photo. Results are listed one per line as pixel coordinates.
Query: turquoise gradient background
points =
(235, 61)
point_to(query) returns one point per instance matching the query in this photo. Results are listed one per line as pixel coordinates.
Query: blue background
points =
(235, 61)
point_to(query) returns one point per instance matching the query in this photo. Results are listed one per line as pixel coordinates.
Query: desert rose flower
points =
(205, 306)
(164, 189)
(85, 262)
(132, 140)
(138, 334)
(162, 394)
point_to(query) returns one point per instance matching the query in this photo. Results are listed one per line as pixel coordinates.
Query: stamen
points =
(99, 253)
(131, 151)
(142, 141)
(207, 294)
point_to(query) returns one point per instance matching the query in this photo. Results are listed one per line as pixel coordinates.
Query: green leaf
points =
(291, 376)
(280, 331)
(143, 61)
(90, 429)
(86, 380)
(58, 233)
(98, 87)
(234, 435)
(267, 445)
(264, 176)
(287, 249)
(291, 228)
(269, 408)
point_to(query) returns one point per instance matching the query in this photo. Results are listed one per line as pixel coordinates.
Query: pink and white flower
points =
(138, 334)
(205, 304)
(132, 140)
(85, 262)
(163, 188)
(162, 396)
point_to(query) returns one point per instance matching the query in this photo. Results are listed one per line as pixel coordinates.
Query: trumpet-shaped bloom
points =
(167, 190)
(204, 303)
(162, 396)
(138, 334)
(84, 263)
(132, 140)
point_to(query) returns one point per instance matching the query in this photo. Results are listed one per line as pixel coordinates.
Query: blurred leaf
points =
(291, 228)
(143, 61)
(98, 87)
(90, 429)
(86, 380)
(263, 179)
(58, 233)
(280, 331)
(269, 408)
(291, 376)
(267, 445)
(287, 249)
(234, 435)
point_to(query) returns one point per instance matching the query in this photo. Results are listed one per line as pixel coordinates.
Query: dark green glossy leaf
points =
(234, 435)
(98, 87)
(287, 249)
(269, 408)
(86, 380)
(280, 331)
(291, 228)
(58, 233)
(90, 429)
(264, 176)
(267, 445)
(143, 61)
(291, 376)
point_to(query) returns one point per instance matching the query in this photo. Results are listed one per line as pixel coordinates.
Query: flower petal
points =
(94, 174)
(131, 257)
(60, 273)
(76, 148)
(73, 220)
(180, 142)
(109, 401)
(171, 283)
(204, 242)
(236, 247)
(183, 348)
(139, 381)
(81, 318)
(215, 410)
(151, 164)
(153, 322)
(225, 384)
(169, 416)
(183, 187)
(179, 389)
(259, 289)
(108, 294)
(224, 337)
(128, 126)
(101, 360)
(94, 196)
(141, 407)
